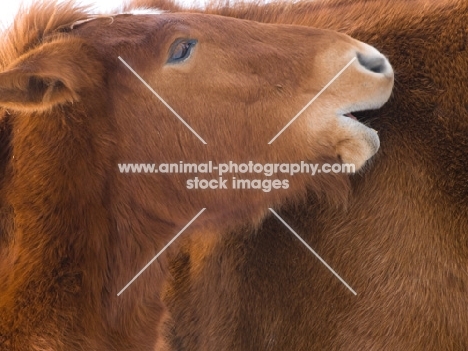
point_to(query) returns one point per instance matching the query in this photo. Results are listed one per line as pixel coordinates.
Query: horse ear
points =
(52, 74)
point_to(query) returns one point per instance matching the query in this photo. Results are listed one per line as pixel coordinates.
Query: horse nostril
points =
(376, 64)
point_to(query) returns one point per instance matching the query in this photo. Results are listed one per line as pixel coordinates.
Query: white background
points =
(8, 8)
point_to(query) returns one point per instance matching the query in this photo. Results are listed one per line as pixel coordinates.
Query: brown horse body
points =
(75, 230)
(402, 242)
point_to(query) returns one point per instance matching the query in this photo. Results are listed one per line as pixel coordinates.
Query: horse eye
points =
(181, 50)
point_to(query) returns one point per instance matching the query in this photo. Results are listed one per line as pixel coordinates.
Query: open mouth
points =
(361, 116)
(350, 115)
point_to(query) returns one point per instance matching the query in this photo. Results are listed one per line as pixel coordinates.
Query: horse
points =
(82, 95)
(401, 242)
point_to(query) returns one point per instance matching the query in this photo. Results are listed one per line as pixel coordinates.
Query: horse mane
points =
(35, 23)
(304, 12)
(43, 18)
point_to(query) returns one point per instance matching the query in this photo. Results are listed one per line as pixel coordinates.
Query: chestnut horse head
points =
(236, 83)
(75, 106)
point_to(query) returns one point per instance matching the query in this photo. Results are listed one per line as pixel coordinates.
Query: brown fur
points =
(402, 244)
(75, 230)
